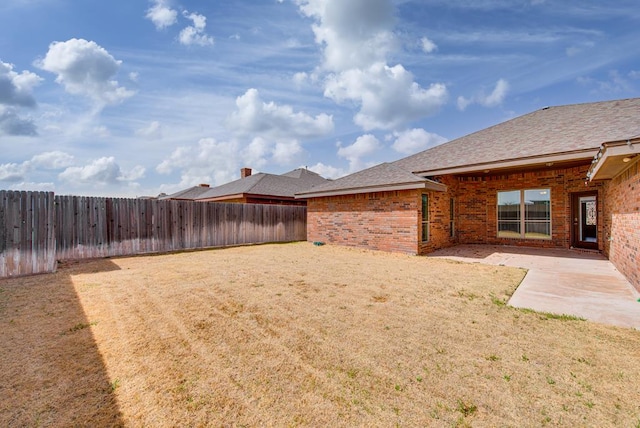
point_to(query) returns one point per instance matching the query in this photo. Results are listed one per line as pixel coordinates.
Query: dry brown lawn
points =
(298, 335)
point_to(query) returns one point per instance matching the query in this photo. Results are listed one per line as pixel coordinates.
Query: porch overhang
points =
(554, 159)
(613, 158)
(426, 185)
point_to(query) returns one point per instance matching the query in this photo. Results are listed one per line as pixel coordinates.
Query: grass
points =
(79, 326)
(302, 335)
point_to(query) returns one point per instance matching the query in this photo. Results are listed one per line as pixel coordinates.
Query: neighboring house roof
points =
(188, 194)
(266, 185)
(383, 177)
(552, 134)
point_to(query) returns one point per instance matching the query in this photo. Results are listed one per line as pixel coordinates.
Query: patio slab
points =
(560, 281)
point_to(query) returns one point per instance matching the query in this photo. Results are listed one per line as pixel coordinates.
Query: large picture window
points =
(524, 214)
(425, 218)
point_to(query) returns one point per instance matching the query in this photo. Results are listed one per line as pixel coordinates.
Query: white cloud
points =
(15, 172)
(162, 15)
(415, 140)
(287, 152)
(388, 96)
(31, 186)
(52, 160)
(495, 98)
(136, 173)
(328, 171)
(100, 131)
(253, 116)
(300, 78)
(356, 38)
(427, 45)
(576, 49)
(100, 172)
(16, 93)
(16, 88)
(616, 83)
(355, 33)
(218, 162)
(364, 145)
(209, 162)
(153, 131)
(12, 124)
(195, 34)
(464, 102)
(12, 172)
(85, 68)
(498, 95)
(257, 152)
(261, 151)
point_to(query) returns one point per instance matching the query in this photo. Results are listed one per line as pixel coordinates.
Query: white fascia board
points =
(584, 154)
(611, 150)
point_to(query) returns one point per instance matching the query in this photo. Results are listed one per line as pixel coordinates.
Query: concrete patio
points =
(560, 281)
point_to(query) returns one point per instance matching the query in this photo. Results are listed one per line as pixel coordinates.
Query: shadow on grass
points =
(52, 371)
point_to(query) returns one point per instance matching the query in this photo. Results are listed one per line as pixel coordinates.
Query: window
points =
(452, 222)
(524, 214)
(425, 218)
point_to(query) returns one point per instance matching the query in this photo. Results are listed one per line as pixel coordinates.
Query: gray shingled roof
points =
(385, 174)
(285, 185)
(547, 131)
(190, 193)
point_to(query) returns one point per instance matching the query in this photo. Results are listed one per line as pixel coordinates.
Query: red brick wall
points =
(390, 221)
(622, 223)
(386, 221)
(477, 204)
(439, 221)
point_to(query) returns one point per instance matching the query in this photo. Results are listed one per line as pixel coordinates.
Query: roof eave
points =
(614, 158)
(427, 185)
(511, 163)
(221, 197)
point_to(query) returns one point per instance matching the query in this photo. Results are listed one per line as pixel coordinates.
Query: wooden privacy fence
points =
(27, 242)
(38, 228)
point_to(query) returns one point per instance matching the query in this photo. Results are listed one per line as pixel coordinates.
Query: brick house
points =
(261, 188)
(564, 177)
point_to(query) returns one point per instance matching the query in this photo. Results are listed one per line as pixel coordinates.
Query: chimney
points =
(203, 185)
(245, 172)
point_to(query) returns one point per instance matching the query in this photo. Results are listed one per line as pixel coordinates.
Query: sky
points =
(135, 98)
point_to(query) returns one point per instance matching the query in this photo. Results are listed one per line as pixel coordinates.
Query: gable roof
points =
(383, 177)
(263, 184)
(552, 134)
(569, 129)
(189, 194)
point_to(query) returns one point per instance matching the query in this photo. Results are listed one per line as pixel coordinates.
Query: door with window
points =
(585, 220)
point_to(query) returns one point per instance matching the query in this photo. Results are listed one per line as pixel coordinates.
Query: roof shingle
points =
(548, 131)
(285, 185)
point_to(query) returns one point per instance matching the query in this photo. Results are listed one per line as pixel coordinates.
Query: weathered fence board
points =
(38, 228)
(27, 243)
